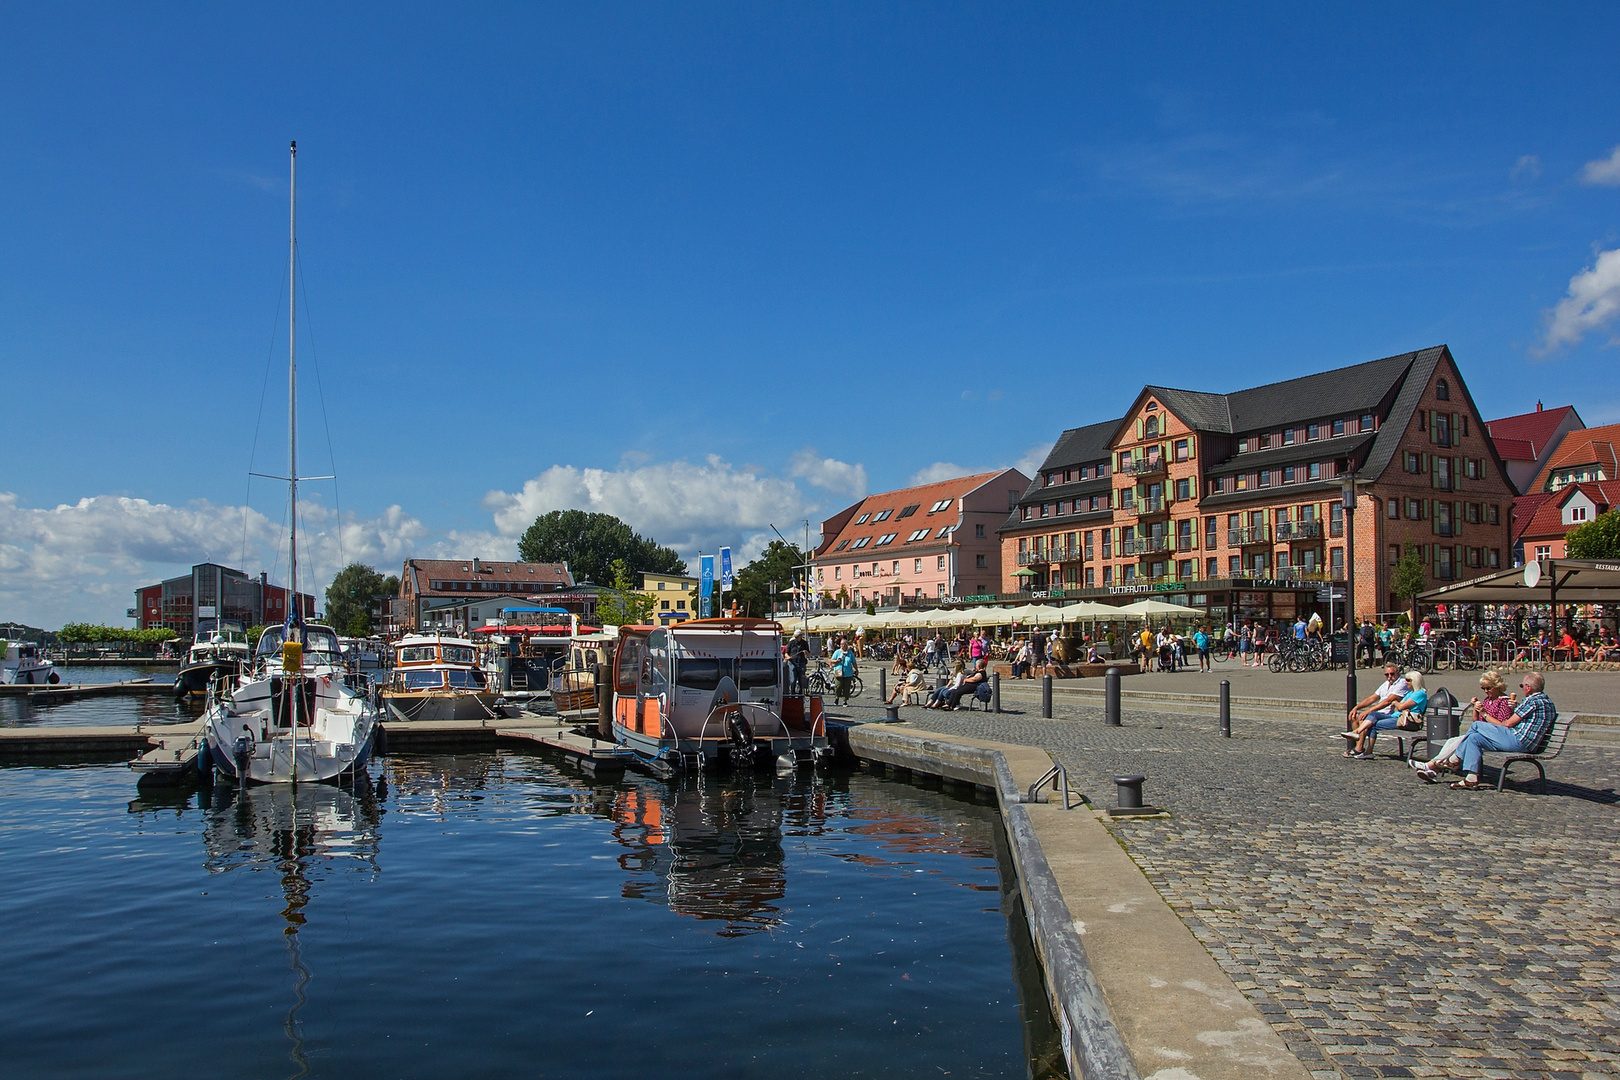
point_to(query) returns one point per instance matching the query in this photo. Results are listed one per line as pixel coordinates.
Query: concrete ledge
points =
(1135, 993)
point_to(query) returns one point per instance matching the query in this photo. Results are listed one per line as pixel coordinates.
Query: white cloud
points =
(1593, 302)
(829, 474)
(1604, 172)
(939, 470)
(1526, 170)
(1030, 463)
(948, 470)
(84, 560)
(684, 506)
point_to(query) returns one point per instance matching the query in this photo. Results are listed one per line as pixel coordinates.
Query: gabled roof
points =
(1589, 446)
(1081, 446)
(1534, 428)
(1547, 519)
(1514, 449)
(842, 526)
(514, 574)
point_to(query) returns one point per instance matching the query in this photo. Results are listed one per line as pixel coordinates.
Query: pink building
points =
(936, 540)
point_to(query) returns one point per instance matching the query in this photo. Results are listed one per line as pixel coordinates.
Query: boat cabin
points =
(435, 662)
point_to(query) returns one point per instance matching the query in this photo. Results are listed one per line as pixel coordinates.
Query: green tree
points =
(359, 624)
(1597, 539)
(350, 594)
(589, 543)
(1410, 578)
(623, 605)
(776, 566)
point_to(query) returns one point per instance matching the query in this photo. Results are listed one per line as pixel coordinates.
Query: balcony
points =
(1154, 507)
(1032, 558)
(1145, 545)
(1295, 531)
(1322, 574)
(1255, 534)
(1143, 467)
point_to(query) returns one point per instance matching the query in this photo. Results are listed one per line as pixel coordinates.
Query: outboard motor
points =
(242, 752)
(741, 735)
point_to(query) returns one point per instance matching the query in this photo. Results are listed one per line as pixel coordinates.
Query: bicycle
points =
(823, 683)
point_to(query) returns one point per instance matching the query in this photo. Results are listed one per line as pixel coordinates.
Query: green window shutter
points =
(1141, 427)
(1192, 446)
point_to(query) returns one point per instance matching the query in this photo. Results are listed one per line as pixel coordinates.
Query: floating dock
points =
(67, 691)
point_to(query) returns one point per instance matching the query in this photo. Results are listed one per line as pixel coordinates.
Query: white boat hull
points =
(333, 744)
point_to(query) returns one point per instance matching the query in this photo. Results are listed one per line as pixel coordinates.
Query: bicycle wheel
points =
(856, 687)
(1298, 661)
(1275, 662)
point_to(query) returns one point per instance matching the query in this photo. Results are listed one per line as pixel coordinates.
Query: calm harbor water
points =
(155, 708)
(492, 915)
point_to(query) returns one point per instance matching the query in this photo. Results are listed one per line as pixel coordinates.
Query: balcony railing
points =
(1312, 573)
(1299, 530)
(1148, 507)
(1030, 558)
(1255, 534)
(1143, 467)
(1145, 545)
(1059, 553)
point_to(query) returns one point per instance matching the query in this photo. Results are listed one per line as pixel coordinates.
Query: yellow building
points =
(674, 598)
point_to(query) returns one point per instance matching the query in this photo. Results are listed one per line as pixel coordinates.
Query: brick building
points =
(1575, 483)
(456, 591)
(1235, 500)
(931, 541)
(212, 593)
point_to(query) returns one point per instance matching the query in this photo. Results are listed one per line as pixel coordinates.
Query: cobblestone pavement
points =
(1384, 926)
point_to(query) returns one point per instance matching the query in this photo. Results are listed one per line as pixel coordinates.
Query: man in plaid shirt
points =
(1525, 731)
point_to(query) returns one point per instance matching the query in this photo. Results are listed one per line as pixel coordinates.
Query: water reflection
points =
(303, 833)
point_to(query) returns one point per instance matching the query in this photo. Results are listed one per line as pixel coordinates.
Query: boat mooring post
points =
(1046, 697)
(1226, 708)
(1111, 697)
(883, 683)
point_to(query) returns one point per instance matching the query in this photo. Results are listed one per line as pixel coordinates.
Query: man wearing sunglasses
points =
(1525, 731)
(1389, 694)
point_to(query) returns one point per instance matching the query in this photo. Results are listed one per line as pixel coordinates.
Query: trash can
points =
(1445, 719)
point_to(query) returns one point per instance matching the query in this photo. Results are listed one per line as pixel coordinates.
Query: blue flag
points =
(705, 584)
(725, 569)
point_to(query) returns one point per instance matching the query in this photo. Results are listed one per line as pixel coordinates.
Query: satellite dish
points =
(1532, 574)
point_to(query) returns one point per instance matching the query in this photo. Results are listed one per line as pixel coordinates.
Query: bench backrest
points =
(1556, 736)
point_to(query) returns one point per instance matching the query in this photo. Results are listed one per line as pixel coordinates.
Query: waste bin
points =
(1445, 719)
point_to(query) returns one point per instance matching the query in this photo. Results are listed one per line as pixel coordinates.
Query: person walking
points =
(1201, 643)
(798, 658)
(844, 670)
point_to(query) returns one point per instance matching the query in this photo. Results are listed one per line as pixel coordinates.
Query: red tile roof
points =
(922, 497)
(1590, 446)
(518, 575)
(1547, 517)
(1536, 428)
(1514, 449)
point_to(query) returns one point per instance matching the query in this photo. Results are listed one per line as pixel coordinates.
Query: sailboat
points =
(292, 718)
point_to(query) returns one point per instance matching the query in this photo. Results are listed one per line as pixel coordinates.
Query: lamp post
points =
(1349, 492)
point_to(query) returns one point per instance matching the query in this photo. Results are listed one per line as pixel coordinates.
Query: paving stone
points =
(1406, 929)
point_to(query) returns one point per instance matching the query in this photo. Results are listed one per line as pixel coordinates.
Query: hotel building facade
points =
(1234, 501)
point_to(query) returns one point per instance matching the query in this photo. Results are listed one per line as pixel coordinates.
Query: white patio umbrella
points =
(1088, 611)
(1144, 608)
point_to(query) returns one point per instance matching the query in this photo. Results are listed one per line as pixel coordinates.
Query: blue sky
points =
(712, 267)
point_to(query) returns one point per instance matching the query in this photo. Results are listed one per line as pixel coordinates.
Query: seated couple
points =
(1499, 725)
(951, 694)
(1397, 705)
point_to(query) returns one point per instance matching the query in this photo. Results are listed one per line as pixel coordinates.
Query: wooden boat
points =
(709, 693)
(437, 677)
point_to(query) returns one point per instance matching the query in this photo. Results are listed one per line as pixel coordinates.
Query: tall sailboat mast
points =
(292, 379)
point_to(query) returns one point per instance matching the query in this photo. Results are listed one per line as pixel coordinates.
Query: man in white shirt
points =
(1390, 692)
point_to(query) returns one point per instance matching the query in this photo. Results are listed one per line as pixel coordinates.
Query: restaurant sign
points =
(980, 599)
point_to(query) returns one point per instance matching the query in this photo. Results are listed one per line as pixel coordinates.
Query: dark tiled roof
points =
(1359, 388)
(1204, 412)
(1302, 453)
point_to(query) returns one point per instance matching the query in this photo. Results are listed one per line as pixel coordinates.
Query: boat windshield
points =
(417, 654)
(319, 638)
(473, 678)
(458, 654)
(423, 680)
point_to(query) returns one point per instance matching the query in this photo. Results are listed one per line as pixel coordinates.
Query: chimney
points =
(478, 568)
(1538, 406)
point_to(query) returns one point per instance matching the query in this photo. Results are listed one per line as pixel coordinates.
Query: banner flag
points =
(725, 569)
(705, 584)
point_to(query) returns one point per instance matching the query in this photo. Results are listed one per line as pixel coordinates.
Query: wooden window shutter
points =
(1141, 427)
(1431, 424)
(1456, 473)
(1456, 428)
(1192, 446)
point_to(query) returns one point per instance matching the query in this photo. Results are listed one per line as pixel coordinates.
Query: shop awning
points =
(1549, 581)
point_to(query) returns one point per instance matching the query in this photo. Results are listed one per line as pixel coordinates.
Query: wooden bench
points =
(1553, 747)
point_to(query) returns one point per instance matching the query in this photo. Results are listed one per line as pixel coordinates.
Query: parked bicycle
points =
(823, 682)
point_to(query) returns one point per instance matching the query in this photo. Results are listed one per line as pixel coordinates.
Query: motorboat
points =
(25, 664)
(437, 676)
(525, 647)
(709, 693)
(573, 682)
(214, 655)
(293, 717)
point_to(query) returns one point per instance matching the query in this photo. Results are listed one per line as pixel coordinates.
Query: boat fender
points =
(53, 678)
(379, 746)
(205, 761)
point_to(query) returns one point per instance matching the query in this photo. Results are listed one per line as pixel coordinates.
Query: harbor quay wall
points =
(1135, 993)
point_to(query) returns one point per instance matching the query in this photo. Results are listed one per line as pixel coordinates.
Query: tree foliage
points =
(88, 634)
(623, 605)
(1597, 539)
(1410, 576)
(589, 544)
(350, 595)
(776, 566)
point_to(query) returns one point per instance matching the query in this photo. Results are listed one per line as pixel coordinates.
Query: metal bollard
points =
(995, 691)
(1226, 708)
(1111, 697)
(1046, 697)
(1128, 791)
(883, 683)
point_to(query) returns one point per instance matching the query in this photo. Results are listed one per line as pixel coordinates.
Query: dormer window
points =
(1151, 428)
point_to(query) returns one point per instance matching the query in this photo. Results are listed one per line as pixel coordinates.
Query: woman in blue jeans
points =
(1525, 731)
(1405, 716)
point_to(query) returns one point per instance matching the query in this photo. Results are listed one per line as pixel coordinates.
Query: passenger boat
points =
(214, 655)
(709, 693)
(525, 646)
(437, 677)
(294, 717)
(25, 664)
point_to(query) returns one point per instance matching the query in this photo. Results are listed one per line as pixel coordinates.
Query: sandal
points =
(1465, 784)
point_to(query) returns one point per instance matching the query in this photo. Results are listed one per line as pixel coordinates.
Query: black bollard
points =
(1129, 792)
(883, 683)
(995, 691)
(1046, 697)
(1111, 697)
(1226, 708)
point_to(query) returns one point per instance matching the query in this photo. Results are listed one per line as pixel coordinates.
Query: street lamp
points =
(1348, 489)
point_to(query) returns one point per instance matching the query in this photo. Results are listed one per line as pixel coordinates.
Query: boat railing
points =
(738, 706)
